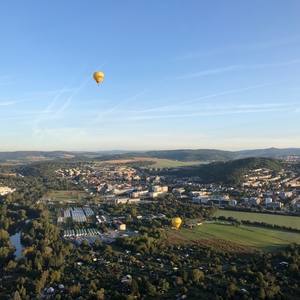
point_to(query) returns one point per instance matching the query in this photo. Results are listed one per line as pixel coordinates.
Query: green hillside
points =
(205, 154)
(226, 172)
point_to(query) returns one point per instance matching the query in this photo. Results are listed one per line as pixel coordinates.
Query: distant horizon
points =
(149, 150)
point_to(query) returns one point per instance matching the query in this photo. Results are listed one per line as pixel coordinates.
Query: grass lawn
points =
(288, 221)
(65, 196)
(228, 237)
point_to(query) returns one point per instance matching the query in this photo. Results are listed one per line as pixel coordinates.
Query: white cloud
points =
(240, 67)
(254, 46)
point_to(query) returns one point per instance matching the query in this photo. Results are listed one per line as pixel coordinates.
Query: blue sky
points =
(179, 74)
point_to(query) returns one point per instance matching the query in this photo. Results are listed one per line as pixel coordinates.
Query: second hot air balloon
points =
(98, 76)
(176, 222)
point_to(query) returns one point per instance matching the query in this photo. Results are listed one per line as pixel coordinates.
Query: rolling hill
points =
(226, 172)
(207, 154)
(185, 155)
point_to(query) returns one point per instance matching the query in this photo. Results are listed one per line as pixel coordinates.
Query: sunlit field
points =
(65, 196)
(151, 162)
(288, 221)
(229, 237)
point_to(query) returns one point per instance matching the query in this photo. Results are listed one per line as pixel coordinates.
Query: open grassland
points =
(159, 163)
(232, 238)
(65, 196)
(168, 163)
(288, 221)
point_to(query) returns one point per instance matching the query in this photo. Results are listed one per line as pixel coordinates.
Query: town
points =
(261, 189)
(83, 216)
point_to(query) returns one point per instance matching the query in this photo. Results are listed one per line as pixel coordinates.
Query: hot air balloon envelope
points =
(176, 222)
(98, 76)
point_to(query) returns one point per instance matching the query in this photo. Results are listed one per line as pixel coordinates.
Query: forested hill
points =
(206, 154)
(226, 172)
(34, 155)
(193, 155)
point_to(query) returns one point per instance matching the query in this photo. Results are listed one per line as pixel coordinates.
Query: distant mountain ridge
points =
(19, 155)
(180, 154)
(46, 155)
(269, 152)
(209, 154)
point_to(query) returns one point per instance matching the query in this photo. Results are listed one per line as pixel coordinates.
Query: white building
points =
(268, 201)
(4, 190)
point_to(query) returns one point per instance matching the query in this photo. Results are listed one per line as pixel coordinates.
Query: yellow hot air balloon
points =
(98, 76)
(176, 222)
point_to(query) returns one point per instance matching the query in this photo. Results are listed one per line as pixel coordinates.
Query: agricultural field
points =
(168, 163)
(288, 221)
(232, 238)
(65, 196)
(159, 163)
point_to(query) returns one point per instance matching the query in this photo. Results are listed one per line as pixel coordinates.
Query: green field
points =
(168, 163)
(151, 162)
(280, 220)
(229, 237)
(65, 196)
